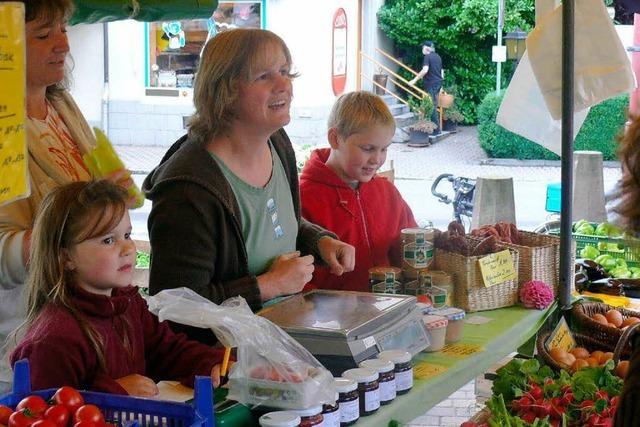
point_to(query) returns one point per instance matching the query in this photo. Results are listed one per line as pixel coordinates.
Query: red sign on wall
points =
(339, 52)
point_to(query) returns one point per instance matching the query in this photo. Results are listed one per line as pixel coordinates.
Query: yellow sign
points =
(426, 370)
(13, 147)
(561, 337)
(497, 268)
(461, 350)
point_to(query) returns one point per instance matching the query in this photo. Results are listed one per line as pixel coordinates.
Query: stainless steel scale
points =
(344, 328)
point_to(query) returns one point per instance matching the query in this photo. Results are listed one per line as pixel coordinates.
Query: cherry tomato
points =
(44, 423)
(69, 397)
(5, 413)
(90, 413)
(59, 414)
(35, 404)
(20, 419)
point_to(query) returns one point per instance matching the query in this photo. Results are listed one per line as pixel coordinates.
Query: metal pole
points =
(500, 26)
(566, 267)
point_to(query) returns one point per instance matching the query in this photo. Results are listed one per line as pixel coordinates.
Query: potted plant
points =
(451, 117)
(420, 130)
(381, 79)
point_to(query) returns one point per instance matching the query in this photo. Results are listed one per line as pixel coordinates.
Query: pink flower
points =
(536, 294)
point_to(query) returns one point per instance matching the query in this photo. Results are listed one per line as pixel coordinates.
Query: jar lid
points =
(280, 419)
(361, 375)
(451, 313)
(396, 356)
(309, 412)
(378, 365)
(431, 321)
(345, 385)
(382, 270)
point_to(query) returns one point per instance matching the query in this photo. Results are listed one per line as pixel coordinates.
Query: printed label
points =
(372, 400)
(404, 380)
(349, 411)
(417, 255)
(331, 419)
(497, 268)
(461, 350)
(387, 390)
(561, 337)
(428, 370)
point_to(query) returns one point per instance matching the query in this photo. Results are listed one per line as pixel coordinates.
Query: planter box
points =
(418, 137)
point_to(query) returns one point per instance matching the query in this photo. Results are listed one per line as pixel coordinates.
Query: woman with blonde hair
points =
(57, 136)
(226, 217)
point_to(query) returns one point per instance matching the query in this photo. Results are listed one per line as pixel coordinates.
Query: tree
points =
(464, 32)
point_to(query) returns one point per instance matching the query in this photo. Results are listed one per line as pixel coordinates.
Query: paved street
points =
(415, 169)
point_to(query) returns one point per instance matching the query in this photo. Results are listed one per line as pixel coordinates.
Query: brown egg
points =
(558, 354)
(569, 359)
(622, 368)
(600, 319)
(597, 355)
(580, 352)
(579, 364)
(606, 357)
(629, 321)
(592, 361)
(615, 317)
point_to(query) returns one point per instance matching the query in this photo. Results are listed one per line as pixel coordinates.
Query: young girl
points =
(87, 326)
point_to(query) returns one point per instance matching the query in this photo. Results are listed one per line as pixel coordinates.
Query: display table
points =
(437, 375)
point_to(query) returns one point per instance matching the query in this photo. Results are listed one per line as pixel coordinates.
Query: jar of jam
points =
(368, 389)
(310, 417)
(377, 274)
(403, 368)
(389, 285)
(348, 400)
(386, 379)
(280, 419)
(331, 413)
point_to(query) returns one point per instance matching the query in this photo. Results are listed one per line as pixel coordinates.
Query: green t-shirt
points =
(269, 225)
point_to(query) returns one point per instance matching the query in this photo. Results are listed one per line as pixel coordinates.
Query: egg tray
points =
(585, 341)
(582, 313)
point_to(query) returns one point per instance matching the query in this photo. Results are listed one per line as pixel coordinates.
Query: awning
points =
(91, 11)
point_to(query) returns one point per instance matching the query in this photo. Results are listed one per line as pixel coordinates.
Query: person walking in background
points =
(431, 75)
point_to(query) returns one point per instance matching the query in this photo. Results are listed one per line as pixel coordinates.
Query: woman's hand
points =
(339, 256)
(215, 375)
(139, 385)
(287, 275)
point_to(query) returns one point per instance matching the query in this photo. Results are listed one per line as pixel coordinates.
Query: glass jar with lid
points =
(368, 389)
(311, 416)
(348, 400)
(331, 413)
(386, 379)
(403, 368)
(390, 285)
(280, 419)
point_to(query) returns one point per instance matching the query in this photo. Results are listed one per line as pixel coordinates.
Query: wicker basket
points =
(470, 293)
(539, 257)
(582, 314)
(582, 340)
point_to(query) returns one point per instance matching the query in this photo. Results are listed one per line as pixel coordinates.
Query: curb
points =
(538, 163)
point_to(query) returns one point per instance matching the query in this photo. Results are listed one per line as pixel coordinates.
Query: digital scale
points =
(342, 328)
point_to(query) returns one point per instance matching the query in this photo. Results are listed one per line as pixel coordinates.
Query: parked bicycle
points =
(462, 199)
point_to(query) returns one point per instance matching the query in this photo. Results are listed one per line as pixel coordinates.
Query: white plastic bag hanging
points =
(602, 69)
(272, 368)
(524, 112)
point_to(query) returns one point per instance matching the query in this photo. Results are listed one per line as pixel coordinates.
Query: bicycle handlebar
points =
(442, 197)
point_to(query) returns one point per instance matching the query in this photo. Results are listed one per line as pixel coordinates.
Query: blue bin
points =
(553, 197)
(126, 410)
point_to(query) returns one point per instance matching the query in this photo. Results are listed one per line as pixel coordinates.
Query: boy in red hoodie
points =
(340, 191)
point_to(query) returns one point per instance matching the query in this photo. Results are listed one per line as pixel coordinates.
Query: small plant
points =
(453, 115)
(424, 126)
(423, 108)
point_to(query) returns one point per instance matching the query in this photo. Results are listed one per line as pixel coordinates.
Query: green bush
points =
(598, 133)
(464, 32)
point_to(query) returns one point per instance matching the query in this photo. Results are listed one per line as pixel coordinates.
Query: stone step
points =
(401, 135)
(405, 119)
(397, 109)
(389, 100)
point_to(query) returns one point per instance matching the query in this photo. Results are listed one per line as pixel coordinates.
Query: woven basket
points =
(539, 258)
(582, 340)
(470, 293)
(582, 314)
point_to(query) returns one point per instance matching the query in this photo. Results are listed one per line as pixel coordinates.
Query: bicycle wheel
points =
(551, 226)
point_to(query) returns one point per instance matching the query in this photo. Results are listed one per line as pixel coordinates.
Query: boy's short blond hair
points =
(357, 111)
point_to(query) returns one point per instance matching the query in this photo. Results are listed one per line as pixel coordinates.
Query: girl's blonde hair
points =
(228, 59)
(629, 154)
(67, 216)
(51, 11)
(358, 111)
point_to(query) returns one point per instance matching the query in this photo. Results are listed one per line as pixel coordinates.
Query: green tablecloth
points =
(437, 375)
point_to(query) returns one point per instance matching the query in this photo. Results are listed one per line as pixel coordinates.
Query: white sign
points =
(499, 54)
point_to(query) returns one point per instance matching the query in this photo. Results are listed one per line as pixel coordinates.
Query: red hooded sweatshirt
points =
(369, 218)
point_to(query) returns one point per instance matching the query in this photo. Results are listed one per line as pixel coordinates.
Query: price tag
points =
(13, 147)
(426, 370)
(561, 337)
(461, 350)
(497, 268)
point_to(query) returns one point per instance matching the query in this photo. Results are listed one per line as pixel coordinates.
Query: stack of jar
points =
(327, 415)
(416, 251)
(385, 280)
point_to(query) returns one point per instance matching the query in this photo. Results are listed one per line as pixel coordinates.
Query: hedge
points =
(599, 132)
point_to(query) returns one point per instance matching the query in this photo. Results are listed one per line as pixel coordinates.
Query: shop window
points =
(174, 47)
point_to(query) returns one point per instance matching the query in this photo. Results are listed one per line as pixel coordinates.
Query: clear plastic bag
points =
(272, 368)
